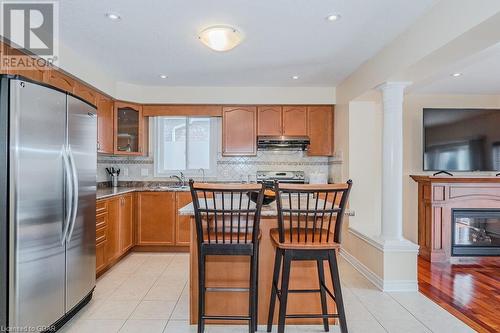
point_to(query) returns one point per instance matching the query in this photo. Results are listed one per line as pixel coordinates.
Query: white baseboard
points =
(387, 286)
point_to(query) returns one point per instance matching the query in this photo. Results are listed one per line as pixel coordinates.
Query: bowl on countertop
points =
(268, 197)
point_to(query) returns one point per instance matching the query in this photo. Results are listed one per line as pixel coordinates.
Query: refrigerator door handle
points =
(74, 209)
(70, 193)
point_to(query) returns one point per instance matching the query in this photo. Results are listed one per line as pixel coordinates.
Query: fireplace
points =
(475, 232)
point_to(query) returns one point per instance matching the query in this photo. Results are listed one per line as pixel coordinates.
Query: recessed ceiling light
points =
(220, 37)
(456, 74)
(163, 76)
(333, 17)
(113, 16)
(295, 77)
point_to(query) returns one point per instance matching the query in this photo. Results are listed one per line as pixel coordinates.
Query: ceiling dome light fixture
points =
(220, 37)
(333, 17)
(113, 16)
(456, 74)
(163, 76)
(295, 77)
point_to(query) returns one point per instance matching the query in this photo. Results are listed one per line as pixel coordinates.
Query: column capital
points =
(393, 85)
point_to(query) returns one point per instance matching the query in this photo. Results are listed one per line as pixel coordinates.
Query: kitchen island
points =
(233, 271)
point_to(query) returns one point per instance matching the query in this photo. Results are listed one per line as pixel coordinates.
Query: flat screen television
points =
(461, 139)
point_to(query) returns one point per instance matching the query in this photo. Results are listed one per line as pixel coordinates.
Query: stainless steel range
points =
(269, 177)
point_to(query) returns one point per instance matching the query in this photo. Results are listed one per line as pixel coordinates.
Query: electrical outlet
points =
(144, 172)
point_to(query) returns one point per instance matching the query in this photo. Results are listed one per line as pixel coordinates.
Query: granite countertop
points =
(267, 210)
(107, 192)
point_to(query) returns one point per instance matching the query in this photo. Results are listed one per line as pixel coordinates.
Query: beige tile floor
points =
(148, 292)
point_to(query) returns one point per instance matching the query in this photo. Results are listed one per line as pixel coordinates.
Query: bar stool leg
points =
(322, 293)
(274, 286)
(337, 291)
(285, 279)
(251, 293)
(256, 302)
(201, 292)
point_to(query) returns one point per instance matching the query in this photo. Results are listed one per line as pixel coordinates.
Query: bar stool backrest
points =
(224, 213)
(311, 213)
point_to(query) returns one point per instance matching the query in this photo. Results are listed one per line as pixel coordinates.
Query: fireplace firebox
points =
(475, 232)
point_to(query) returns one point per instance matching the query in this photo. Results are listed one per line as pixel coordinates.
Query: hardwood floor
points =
(469, 289)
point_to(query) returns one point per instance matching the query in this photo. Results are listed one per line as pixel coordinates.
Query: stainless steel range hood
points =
(283, 142)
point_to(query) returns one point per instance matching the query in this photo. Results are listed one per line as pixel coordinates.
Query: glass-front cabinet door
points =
(130, 129)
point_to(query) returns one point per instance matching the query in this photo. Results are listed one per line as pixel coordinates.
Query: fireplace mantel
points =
(437, 196)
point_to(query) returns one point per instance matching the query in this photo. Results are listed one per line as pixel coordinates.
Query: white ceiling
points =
(480, 76)
(282, 38)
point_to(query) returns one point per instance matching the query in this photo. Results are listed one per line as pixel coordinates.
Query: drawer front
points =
(100, 235)
(101, 206)
(101, 220)
(101, 259)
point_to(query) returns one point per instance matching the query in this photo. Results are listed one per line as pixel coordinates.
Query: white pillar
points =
(392, 161)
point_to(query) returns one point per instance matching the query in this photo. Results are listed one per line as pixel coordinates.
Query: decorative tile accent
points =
(241, 168)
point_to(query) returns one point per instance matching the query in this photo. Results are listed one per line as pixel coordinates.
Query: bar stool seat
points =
(301, 243)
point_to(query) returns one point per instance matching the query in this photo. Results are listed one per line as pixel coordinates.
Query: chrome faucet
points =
(181, 179)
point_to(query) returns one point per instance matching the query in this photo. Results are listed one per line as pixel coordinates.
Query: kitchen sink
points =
(171, 187)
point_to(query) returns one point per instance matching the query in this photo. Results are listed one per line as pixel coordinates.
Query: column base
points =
(396, 245)
(391, 265)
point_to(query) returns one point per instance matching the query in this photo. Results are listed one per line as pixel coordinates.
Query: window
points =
(185, 144)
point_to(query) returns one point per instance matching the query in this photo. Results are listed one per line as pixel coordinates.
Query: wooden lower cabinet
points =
(101, 259)
(182, 222)
(126, 226)
(114, 229)
(113, 246)
(156, 218)
(157, 224)
(101, 255)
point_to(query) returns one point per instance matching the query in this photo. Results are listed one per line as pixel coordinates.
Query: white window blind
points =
(185, 144)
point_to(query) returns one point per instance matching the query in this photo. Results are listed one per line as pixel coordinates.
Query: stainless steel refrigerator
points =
(47, 203)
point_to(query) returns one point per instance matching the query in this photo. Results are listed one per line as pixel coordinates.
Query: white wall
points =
(412, 145)
(225, 95)
(365, 162)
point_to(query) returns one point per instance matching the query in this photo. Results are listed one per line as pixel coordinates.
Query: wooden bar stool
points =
(227, 223)
(309, 227)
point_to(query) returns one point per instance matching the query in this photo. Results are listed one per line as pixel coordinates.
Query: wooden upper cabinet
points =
(269, 120)
(320, 130)
(22, 64)
(104, 125)
(156, 218)
(84, 92)
(126, 222)
(130, 129)
(59, 80)
(294, 120)
(239, 130)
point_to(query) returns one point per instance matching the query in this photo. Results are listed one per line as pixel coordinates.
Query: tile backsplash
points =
(243, 168)
(227, 168)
